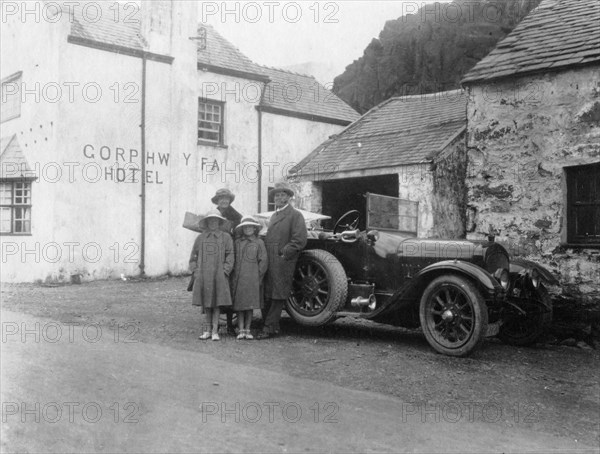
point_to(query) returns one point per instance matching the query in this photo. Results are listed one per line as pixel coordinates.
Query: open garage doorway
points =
(340, 196)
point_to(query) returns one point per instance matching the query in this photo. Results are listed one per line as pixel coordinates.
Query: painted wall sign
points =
(126, 167)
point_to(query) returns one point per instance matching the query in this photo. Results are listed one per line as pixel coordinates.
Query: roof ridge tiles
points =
(423, 95)
(287, 71)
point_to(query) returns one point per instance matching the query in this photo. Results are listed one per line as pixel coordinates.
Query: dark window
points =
(10, 100)
(210, 122)
(271, 201)
(583, 204)
(15, 207)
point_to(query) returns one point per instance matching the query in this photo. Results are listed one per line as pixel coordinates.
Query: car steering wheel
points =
(353, 215)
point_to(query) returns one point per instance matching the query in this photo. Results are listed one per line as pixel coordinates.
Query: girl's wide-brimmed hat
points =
(211, 214)
(282, 186)
(223, 192)
(249, 221)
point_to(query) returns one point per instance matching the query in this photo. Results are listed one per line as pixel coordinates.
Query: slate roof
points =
(217, 52)
(286, 93)
(105, 29)
(13, 164)
(400, 131)
(557, 34)
(303, 94)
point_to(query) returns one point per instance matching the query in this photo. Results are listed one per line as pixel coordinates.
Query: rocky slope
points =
(428, 51)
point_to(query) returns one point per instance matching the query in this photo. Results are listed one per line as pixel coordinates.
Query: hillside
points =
(428, 51)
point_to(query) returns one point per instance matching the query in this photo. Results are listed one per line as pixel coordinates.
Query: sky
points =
(285, 33)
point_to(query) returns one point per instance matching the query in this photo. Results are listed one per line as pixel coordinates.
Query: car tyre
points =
(319, 290)
(526, 329)
(453, 315)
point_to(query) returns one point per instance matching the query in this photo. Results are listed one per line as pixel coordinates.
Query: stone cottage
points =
(410, 148)
(533, 142)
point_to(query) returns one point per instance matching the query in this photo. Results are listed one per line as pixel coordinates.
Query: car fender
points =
(519, 265)
(399, 303)
(475, 272)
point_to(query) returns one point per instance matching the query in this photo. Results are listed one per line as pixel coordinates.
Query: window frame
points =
(14, 206)
(270, 199)
(221, 132)
(16, 77)
(572, 175)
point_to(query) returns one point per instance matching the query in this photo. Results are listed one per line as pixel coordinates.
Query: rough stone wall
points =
(449, 200)
(521, 134)
(415, 183)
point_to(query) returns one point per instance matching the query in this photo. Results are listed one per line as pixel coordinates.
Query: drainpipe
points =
(259, 157)
(259, 164)
(143, 171)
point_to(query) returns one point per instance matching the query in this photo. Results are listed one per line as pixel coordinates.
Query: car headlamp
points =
(503, 277)
(535, 278)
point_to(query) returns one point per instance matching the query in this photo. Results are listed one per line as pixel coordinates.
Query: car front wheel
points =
(453, 315)
(319, 289)
(527, 318)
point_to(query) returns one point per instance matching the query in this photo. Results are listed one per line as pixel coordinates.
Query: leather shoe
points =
(264, 335)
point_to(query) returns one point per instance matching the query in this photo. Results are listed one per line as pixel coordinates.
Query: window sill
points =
(15, 234)
(580, 245)
(211, 144)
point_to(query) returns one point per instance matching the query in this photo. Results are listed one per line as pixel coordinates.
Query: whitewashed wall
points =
(88, 220)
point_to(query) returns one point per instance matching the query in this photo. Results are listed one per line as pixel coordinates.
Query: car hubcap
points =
(310, 287)
(447, 316)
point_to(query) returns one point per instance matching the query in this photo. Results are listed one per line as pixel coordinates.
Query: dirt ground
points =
(553, 390)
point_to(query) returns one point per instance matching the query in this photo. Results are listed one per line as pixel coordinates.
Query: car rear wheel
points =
(527, 325)
(453, 315)
(319, 289)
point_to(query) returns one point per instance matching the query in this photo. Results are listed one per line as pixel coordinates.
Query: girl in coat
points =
(249, 270)
(211, 261)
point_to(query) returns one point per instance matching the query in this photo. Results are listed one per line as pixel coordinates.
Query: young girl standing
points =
(250, 268)
(211, 261)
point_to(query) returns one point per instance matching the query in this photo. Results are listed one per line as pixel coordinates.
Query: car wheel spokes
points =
(310, 288)
(451, 315)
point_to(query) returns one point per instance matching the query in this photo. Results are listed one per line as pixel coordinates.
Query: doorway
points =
(340, 196)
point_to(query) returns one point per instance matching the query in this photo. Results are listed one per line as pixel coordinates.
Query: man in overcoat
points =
(286, 237)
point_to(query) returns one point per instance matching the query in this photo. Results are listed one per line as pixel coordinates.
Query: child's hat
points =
(211, 214)
(248, 221)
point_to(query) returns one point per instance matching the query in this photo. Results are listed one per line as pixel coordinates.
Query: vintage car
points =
(457, 291)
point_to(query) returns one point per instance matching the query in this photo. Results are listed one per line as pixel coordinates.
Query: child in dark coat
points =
(211, 261)
(248, 272)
